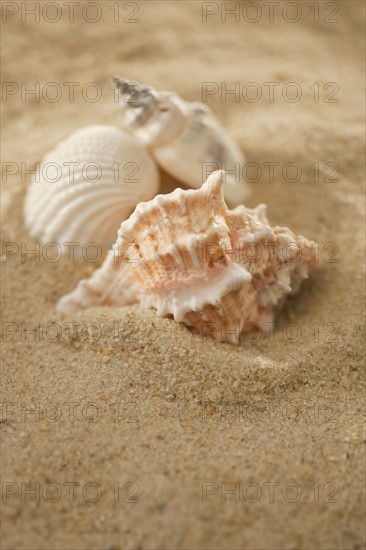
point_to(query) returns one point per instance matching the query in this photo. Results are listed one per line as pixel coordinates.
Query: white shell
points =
(86, 201)
(188, 256)
(185, 138)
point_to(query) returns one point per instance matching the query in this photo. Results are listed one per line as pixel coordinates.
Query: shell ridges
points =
(190, 257)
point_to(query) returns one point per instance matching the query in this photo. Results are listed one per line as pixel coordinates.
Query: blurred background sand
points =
(159, 407)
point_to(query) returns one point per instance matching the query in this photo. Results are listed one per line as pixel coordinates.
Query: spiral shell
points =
(87, 185)
(188, 256)
(185, 138)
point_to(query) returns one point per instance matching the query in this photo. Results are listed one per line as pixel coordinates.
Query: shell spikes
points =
(190, 257)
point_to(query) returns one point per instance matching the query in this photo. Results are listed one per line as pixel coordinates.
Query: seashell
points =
(185, 138)
(221, 272)
(86, 185)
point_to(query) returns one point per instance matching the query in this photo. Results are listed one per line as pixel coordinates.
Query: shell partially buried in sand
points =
(87, 185)
(190, 257)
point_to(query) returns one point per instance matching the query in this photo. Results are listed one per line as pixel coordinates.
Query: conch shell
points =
(220, 272)
(87, 185)
(185, 138)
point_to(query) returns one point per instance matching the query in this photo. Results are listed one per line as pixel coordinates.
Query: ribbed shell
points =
(87, 201)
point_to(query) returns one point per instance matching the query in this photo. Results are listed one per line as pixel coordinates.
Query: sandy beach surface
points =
(131, 432)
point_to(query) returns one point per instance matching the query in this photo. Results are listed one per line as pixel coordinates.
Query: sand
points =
(139, 429)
